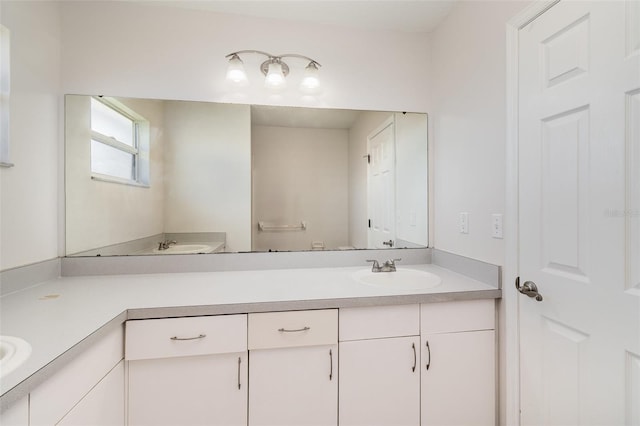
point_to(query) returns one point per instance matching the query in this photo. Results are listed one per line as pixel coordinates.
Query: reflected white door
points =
(381, 186)
(579, 199)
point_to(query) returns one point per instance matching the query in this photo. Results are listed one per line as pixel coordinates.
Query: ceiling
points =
(394, 15)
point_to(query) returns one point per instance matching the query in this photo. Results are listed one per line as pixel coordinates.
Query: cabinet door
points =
(458, 379)
(380, 382)
(103, 405)
(194, 390)
(53, 399)
(294, 386)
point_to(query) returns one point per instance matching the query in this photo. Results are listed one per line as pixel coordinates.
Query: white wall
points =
(208, 170)
(29, 191)
(127, 49)
(358, 208)
(300, 174)
(102, 213)
(468, 121)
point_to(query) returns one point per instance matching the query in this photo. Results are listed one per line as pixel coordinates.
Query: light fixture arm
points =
(260, 52)
(274, 57)
(295, 55)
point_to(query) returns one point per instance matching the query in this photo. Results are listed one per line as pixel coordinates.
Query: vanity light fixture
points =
(275, 71)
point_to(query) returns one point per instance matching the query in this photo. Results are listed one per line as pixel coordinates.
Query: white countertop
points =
(56, 315)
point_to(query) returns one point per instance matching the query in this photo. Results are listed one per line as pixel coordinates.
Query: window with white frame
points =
(5, 87)
(119, 143)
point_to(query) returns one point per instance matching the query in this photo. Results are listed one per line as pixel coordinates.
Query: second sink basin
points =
(402, 278)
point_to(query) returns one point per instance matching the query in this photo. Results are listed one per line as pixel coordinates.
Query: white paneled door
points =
(381, 186)
(579, 213)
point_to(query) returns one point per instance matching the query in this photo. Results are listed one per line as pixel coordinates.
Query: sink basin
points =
(13, 352)
(402, 279)
(185, 249)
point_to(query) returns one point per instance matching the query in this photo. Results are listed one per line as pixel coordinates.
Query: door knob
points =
(529, 288)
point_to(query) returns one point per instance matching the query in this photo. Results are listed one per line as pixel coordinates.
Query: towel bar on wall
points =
(274, 228)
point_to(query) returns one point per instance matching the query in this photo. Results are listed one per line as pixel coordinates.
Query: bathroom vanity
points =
(297, 347)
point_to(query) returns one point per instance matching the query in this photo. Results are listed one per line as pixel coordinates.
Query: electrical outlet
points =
(496, 225)
(464, 223)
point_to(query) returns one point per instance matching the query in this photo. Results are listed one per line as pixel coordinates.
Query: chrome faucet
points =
(163, 245)
(387, 266)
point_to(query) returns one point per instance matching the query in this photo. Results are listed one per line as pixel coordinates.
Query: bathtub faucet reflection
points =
(163, 245)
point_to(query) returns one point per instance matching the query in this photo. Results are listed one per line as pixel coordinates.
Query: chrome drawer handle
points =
(429, 353)
(330, 365)
(284, 330)
(201, 336)
(415, 357)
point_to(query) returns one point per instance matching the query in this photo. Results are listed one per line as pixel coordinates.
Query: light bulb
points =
(235, 71)
(310, 82)
(275, 77)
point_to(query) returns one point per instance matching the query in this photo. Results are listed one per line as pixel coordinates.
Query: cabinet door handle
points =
(429, 354)
(284, 330)
(330, 365)
(415, 357)
(200, 336)
(239, 362)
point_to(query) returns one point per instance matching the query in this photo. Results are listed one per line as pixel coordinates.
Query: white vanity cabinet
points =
(458, 363)
(379, 366)
(187, 371)
(429, 364)
(294, 368)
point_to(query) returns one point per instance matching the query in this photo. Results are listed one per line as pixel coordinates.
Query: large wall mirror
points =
(146, 176)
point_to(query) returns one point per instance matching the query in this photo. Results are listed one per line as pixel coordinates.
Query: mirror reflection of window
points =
(116, 142)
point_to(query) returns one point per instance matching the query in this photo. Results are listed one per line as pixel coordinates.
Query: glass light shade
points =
(275, 77)
(310, 81)
(235, 71)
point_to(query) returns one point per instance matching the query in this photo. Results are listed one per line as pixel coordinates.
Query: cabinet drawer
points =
(288, 329)
(172, 337)
(379, 322)
(466, 315)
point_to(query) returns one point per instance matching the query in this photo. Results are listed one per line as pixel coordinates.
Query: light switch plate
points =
(496, 225)
(464, 223)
